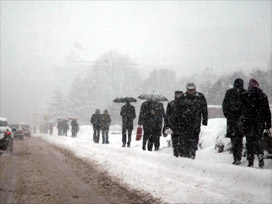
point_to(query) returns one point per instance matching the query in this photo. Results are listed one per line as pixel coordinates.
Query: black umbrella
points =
(153, 97)
(124, 99)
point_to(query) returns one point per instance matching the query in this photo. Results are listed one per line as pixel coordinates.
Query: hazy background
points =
(45, 45)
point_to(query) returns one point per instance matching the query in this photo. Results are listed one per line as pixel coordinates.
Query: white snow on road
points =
(210, 178)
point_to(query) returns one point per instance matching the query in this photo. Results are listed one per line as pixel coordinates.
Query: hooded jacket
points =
(233, 101)
(256, 107)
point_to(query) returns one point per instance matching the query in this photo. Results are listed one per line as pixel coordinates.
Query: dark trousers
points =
(105, 136)
(254, 143)
(189, 142)
(124, 135)
(237, 147)
(151, 140)
(176, 143)
(96, 134)
(74, 132)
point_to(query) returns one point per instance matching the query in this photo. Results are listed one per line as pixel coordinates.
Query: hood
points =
(238, 83)
(253, 84)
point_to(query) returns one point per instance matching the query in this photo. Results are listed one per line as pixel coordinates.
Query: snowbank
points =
(210, 178)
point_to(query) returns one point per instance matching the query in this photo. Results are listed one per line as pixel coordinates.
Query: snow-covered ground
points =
(210, 178)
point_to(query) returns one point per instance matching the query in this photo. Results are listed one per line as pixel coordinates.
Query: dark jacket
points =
(232, 103)
(232, 108)
(174, 118)
(75, 125)
(151, 117)
(256, 109)
(105, 121)
(95, 120)
(195, 109)
(128, 115)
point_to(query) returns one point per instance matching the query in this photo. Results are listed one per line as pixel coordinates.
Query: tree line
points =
(114, 74)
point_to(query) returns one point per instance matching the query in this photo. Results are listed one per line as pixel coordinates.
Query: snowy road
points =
(38, 172)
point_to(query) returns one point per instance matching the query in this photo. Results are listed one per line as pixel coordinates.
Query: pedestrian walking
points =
(257, 120)
(95, 120)
(75, 128)
(128, 115)
(195, 112)
(151, 118)
(105, 126)
(232, 109)
(174, 122)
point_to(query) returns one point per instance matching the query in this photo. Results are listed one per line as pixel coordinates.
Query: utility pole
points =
(10, 94)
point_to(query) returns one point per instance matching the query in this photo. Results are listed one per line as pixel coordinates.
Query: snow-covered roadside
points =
(210, 178)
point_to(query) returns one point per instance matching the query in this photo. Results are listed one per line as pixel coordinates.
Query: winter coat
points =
(105, 121)
(195, 109)
(232, 109)
(95, 120)
(75, 125)
(128, 115)
(232, 103)
(63, 125)
(256, 109)
(151, 117)
(174, 118)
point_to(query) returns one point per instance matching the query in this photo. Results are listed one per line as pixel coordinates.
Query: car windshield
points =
(14, 126)
(3, 123)
(25, 126)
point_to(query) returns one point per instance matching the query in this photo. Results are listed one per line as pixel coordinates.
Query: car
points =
(27, 129)
(18, 131)
(6, 135)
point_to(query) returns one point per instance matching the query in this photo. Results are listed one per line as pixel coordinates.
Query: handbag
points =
(139, 133)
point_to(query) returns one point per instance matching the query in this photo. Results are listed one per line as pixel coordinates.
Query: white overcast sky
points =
(187, 35)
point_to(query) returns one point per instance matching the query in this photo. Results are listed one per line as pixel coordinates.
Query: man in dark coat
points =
(195, 110)
(128, 115)
(174, 121)
(232, 109)
(75, 127)
(257, 120)
(105, 126)
(65, 127)
(95, 120)
(151, 118)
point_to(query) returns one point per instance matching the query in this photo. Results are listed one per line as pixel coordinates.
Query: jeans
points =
(96, 134)
(105, 136)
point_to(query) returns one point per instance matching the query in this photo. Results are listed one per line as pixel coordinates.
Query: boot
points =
(236, 162)
(250, 164)
(261, 160)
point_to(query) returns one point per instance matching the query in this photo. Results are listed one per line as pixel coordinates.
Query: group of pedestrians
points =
(184, 116)
(101, 122)
(248, 114)
(182, 120)
(63, 127)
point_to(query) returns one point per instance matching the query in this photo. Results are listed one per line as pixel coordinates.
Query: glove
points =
(168, 131)
(267, 131)
(205, 123)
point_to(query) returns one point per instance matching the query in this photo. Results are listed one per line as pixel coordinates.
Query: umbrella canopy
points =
(124, 99)
(153, 97)
(73, 118)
